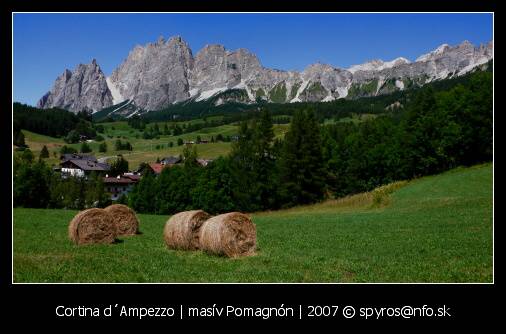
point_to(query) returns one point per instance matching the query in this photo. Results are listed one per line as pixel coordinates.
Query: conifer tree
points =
(301, 164)
(44, 153)
(264, 160)
(242, 165)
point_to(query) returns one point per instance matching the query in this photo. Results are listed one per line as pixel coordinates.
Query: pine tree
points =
(19, 138)
(142, 196)
(190, 156)
(301, 164)
(420, 134)
(242, 169)
(44, 153)
(264, 161)
(119, 166)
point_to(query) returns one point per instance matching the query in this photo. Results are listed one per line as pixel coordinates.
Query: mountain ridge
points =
(166, 72)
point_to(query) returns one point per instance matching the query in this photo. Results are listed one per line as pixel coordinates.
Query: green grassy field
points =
(144, 150)
(354, 118)
(434, 229)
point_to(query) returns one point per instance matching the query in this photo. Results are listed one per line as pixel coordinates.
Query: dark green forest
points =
(52, 122)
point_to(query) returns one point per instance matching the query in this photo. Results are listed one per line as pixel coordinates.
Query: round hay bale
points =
(232, 234)
(125, 219)
(92, 226)
(182, 229)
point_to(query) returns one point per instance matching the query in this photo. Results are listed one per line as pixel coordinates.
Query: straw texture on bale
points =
(231, 234)
(92, 226)
(182, 229)
(125, 219)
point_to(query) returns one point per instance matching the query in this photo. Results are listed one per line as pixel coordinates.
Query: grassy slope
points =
(144, 150)
(435, 229)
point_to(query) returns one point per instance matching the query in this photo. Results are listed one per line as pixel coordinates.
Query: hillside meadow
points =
(432, 229)
(144, 150)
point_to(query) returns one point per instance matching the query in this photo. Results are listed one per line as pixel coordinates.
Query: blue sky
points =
(46, 44)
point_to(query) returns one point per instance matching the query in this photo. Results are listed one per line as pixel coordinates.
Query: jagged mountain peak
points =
(177, 40)
(436, 52)
(160, 40)
(67, 74)
(465, 43)
(85, 88)
(378, 65)
(319, 66)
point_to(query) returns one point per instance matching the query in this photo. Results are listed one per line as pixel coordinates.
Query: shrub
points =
(67, 150)
(72, 137)
(85, 148)
(103, 147)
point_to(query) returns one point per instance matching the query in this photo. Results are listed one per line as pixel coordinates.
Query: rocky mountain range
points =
(159, 74)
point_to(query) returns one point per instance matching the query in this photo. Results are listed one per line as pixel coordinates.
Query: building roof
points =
(73, 156)
(171, 160)
(115, 180)
(88, 165)
(132, 177)
(156, 167)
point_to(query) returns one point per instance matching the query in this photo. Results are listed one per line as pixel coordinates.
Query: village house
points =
(120, 185)
(170, 161)
(204, 162)
(77, 165)
(153, 167)
(157, 167)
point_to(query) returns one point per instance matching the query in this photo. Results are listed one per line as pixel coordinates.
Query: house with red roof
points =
(120, 185)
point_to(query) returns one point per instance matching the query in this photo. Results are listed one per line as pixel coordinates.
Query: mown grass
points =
(433, 229)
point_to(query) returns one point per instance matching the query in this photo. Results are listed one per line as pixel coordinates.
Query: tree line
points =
(434, 132)
(52, 122)
(37, 186)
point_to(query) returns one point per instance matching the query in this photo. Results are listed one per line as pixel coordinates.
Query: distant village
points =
(82, 165)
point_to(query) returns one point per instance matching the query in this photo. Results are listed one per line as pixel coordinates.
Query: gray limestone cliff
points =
(85, 88)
